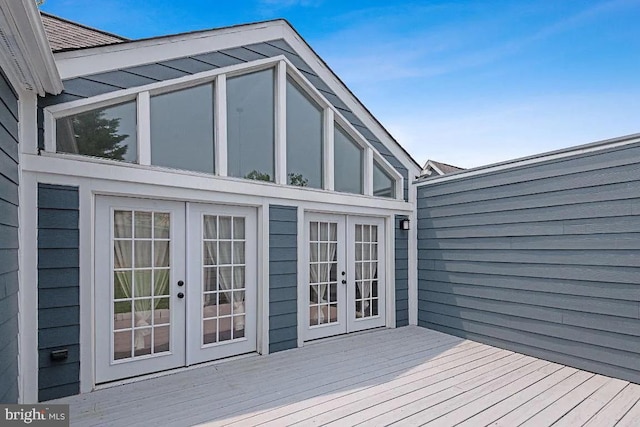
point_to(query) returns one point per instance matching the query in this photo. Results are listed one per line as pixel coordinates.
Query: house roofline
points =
(281, 26)
(534, 159)
(30, 65)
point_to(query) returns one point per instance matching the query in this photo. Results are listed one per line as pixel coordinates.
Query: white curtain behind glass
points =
(142, 307)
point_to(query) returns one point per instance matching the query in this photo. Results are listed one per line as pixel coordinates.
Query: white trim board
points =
(25, 53)
(532, 160)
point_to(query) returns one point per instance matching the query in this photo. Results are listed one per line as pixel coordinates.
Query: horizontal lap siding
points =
(58, 291)
(97, 84)
(542, 259)
(402, 273)
(8, 242)
(283, 283)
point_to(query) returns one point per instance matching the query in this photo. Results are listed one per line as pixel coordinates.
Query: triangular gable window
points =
(261, 120)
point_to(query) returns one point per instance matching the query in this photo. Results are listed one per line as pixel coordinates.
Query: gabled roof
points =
(130, 56)
(64, 34)
(432, 167)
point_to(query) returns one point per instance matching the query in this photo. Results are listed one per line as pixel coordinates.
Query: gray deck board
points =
(405, 376)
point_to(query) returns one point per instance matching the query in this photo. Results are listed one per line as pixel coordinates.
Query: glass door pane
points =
(366, 292)
(141, 268)
(323, 273)
(223, 270)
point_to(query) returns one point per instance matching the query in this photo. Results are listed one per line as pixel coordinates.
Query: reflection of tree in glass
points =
(98, 136)
(298, 179)
(258, 176)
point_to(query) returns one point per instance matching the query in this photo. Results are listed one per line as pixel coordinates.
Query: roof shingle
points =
(63, 34)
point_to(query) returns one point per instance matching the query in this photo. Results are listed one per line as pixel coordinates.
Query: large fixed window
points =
(304, 138)
(250, 126)
(108, 133)
(182, 129)
(383, 184)
(348, 163)
(262, 120)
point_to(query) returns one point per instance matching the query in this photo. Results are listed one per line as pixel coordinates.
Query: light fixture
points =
(404, 224)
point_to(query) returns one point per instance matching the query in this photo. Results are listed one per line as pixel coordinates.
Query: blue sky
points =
(462, 82)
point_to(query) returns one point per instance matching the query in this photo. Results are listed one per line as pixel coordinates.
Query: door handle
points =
(180, 295)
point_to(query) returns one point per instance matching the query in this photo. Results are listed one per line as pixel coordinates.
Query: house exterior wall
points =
(97, 84)
(402, 272)
(58, 291)
(540, 259)
(8, 242)
(283, 280)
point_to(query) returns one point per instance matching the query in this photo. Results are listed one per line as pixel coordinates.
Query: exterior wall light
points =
(404, 224)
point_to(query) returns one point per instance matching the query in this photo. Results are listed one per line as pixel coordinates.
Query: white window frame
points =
(283, 68)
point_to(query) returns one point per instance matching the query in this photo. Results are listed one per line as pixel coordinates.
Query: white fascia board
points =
(330, 78)
(30, 60)
(89, 61)
(532, 160)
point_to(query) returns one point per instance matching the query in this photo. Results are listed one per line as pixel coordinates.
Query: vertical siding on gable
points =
(541, 259)
(402, 273)
(58, 291)
(283, 283)
(97, 84)
(8, 242)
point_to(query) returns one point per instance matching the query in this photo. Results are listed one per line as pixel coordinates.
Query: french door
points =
(175, 284)
(344, 290)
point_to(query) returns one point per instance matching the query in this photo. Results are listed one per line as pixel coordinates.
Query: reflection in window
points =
(250, 126)
(348, 163)
(304, 139)
(383, 184)
(182, 129)
(109, 133)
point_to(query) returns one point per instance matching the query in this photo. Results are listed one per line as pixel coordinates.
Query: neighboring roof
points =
(439, 168)
(592, 147)
(64, 34)
(25, 54)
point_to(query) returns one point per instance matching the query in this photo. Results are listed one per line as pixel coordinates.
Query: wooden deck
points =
(406, 376)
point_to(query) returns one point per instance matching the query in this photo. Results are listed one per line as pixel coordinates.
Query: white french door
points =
(221, 263)
(344, 290)
(175, 284)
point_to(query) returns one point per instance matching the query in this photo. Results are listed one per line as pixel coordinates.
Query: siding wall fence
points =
(541, 259)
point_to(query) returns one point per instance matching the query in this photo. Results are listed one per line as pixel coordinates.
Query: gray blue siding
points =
(8, 242)
(402, 273)
(58, 291)
(283, 283)
(541, 259)
(97, 84)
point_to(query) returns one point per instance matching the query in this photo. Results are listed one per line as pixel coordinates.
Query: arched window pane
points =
(250, 126)
(304, 139)
(182, 129)
(383, 184)
(108, 132)
(348, 157)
